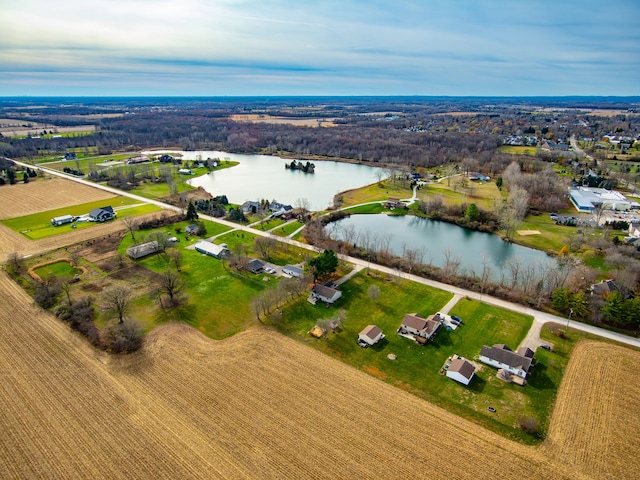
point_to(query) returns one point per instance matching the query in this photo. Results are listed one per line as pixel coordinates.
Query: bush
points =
(125, 337)
(528, 424)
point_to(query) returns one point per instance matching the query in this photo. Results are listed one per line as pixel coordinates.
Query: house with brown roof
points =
(461, 370)
(371, 335)
(501, 356)
(418, 328)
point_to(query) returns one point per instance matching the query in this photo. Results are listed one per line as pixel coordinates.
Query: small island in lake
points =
(305, 167)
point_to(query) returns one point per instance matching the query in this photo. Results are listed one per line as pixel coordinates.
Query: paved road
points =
(539, 317)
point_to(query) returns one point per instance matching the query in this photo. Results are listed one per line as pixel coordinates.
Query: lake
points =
(435, 238)
(264, 176)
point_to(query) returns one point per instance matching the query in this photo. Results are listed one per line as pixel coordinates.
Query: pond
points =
(435, 240)
(259, 177)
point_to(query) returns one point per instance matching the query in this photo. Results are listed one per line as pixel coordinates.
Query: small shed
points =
(371, 335)
(192, 229)
(461, 371)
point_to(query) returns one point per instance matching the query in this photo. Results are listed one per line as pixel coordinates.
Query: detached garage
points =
(461, 371)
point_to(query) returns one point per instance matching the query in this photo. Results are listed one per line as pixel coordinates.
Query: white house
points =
(501, 356)
(326, 294)
(461, 371)
(293, 271)
(212, 249)
(371, 335)
(185, 171)
(634, 229)
(417, 327)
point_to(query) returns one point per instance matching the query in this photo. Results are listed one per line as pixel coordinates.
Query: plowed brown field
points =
(595, 426)
(257, 405)
(33, 197)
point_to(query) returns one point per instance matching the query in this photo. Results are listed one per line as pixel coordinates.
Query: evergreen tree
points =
(192, 214)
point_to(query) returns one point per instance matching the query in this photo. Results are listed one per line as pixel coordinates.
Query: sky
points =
(319, 47)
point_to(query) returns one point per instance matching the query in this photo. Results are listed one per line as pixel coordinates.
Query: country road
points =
(531, 340)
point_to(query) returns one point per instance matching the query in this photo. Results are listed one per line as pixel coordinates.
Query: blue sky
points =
(315, 47)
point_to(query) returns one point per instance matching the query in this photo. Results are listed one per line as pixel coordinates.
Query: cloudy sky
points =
(319, 47)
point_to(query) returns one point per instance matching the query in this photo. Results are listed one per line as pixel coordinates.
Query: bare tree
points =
(373, 292)
(132, 226)
(16, 262)
(450, 266)
(171, 284)
(265, 245)
(117, 301)
(519, 202)
(175, 258)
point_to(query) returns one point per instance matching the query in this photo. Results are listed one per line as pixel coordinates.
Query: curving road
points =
(540, 318)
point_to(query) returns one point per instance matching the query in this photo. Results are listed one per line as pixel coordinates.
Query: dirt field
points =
(301, 122)
(259, 405)
(596, 422)
(45, 195)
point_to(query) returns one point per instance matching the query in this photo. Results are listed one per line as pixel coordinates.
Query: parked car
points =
(491, 409)
(270, 270)
(456, 318)
(455, 322)
(545, 346)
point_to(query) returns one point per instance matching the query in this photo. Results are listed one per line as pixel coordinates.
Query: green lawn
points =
(288, 228)
(417, 367)
(518, 150)
(369, 208)
(38, 225)
(58, 269)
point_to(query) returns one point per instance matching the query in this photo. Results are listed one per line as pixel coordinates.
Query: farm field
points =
(46, 194)
(252, 406)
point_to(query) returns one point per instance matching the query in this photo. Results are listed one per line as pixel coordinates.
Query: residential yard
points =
(38, 225)
(376, 192)
(288, 228)
(416, 368)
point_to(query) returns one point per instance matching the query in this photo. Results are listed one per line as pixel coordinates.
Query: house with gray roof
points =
(326, 294)
(501, 356)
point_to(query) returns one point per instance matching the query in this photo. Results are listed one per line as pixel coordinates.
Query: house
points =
(501, 356)
(143, 249)
(394, 203)
(634, 229)
(277, 209)
(185, 171)
(604, 287)
(418, 328)
(461, 370)
(475, 176)
(56, 221)
(102, 214)
(254, 266)
(525, 352)
(192, 229)
(371, 335)
(293, 271)
(250, 207)
(165, 158)
(212, 249)
(326, 294)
